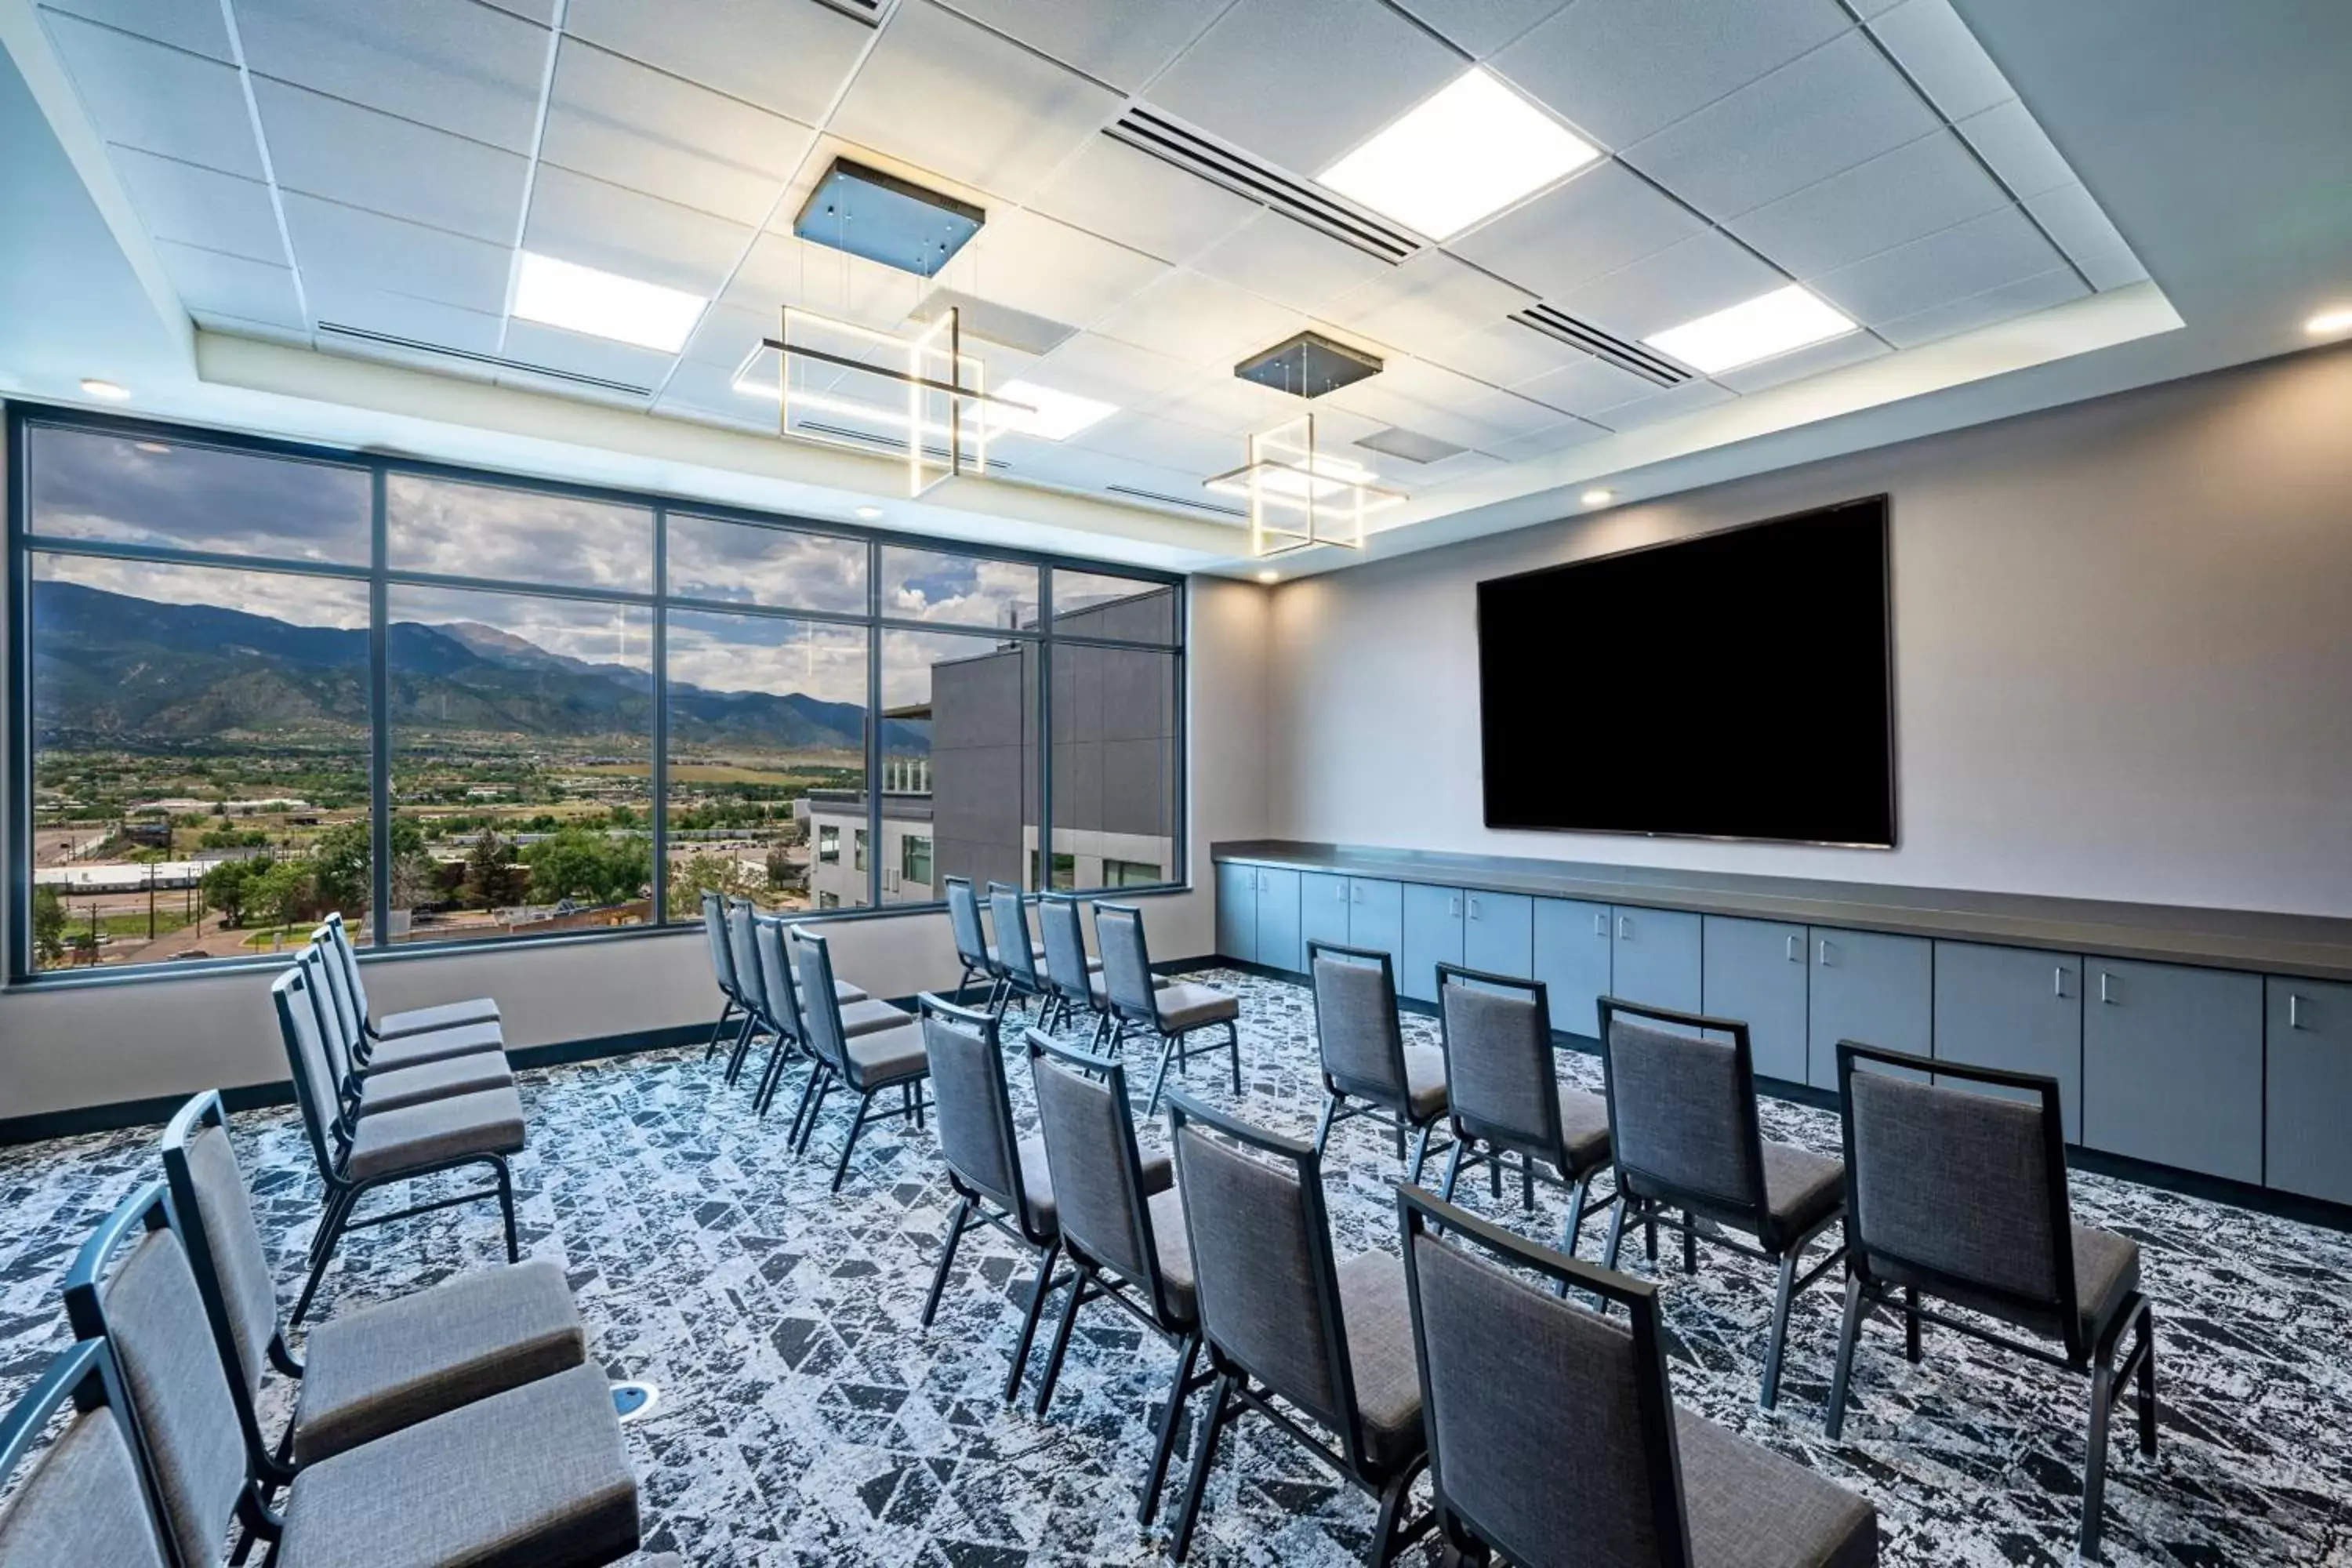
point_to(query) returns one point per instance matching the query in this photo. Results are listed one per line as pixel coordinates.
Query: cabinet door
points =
(1871, 988)
(2172, 1065)
(1322, 911)
(1497, 933)
(2310, 1142)
(1277, 919)
(1571, 950)
(2017, 1008)
(1433, 935)
(1376, 916)
(1656, 958)
(1237, 911)
(1754, 971)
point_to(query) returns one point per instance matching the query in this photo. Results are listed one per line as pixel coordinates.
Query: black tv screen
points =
(1732, 685)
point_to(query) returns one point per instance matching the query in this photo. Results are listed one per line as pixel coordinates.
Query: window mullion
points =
(380, 721)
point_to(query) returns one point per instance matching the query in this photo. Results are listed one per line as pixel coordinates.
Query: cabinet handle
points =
(1473, 908)
(1600, 925)
(2107, 988)
(1624, 928)
(1794, 956)
(1825, 952)
(2058, 980)
(2293, 1011)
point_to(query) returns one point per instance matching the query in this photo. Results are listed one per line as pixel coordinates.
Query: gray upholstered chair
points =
(864, 1064)
(83, 1499)
(472, 1011)
(1169, 1015)
(722, 966)
(535, 1474)
(782, 1014)
(1507, 1097)
(1122, 1225)
(1363, 1051)
(1281, 1320)
(1553, 1437)
(1682, 1116)
(1956, 1194)
(743, 953)
(353, 1158)
(970, 938)
(343, 1016)
(362, 1088)
(1020, 970)
(367, 1372)
(1073, 979)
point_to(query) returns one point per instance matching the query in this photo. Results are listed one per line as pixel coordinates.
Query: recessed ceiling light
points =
(869, 514)
(1768, 324)
(1269, 577)
(1472, 147)
(2325, 324)
(603, 304)
(113, 392)
(1597, 498)
(1059, 415)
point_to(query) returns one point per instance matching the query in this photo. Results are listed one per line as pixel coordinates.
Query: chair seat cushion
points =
(445, 1015)
(842, 992)
(893, 1054)
(1802, 1188)
(1037, 1183)
(2107, 1275)
(1749, 1508)
(433, 1080)
(381, 1368)
(536, 1474)
(1186, 1006)
(866, 1016)
(1425, 1081)
(1584, 1128)
(1174, 1253)
(434, 1046)
(415, 1136)
(1381, 1355)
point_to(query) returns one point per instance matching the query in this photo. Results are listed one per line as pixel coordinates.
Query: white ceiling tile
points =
(574, 218)
(1247, 79)
(156, 99)
(1122, 42)
(950, 95)
(1066, 466)
(1163, 443)
(1623, 68)
(1672, 403)
(400, 315)
(1221, 403)
(630, 125)
(197, 27)
(1853, 348)
(366, 249)
(1586, 385)
(1942, 56)
(580, 355)
(2111, 269)
(1544, 443)
(1480, 27)
(789, 56)
(727, 335)
(202, 206)
(1897, 197)
(1131, 197)
(451, 64)
(1867, 9)
(1828, 110)
(1704, 274)
(781, 270)
(1092, 365)
(1450, 471)
(1983, 253)
(704, 392)
(2022, 297)
(1199, 320)
(2020, 150)
(237, 327)
(1288, 262)
(231, 285)
(1595, 223)
(1030, 263)
(1428, 301)
(328, 147)
(2081, 229)
(412, 358)
(1507, 354)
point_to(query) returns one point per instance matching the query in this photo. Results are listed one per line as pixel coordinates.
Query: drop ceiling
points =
(356, 180)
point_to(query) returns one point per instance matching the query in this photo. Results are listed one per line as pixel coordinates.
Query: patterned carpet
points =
(806, 1418)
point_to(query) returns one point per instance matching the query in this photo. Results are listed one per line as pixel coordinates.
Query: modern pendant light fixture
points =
(1300, 496)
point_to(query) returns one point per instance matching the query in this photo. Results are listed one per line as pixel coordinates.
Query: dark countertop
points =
(2314, 945)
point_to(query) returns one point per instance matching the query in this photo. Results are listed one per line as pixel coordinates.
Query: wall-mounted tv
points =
(1736, 685)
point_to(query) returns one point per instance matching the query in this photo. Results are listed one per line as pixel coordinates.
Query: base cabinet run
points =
(1572, 959)
(1873, 989)
(2309, 1148)
(1755, 971)
(2015, 1008)
(2172, 1065)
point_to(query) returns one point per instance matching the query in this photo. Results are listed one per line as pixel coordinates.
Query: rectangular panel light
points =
(1470, 149)
(1057, 415)
(603, 304)
(1770, 325)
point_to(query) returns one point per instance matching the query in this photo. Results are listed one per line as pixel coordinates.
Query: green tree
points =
(492, 878)
(582, 863)
(287, 893)
(48, 924)
(701, 873)
(341, 867)
(228, 887)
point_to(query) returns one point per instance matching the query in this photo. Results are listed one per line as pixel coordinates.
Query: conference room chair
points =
(722, 967)
(480, 1129)
(363, 1087)
(417, 1049)
(1168, 1014)
(1363, 1052)
(534, 1473)
(1281, 1320)
(366, 1372)
(866, 1065)
(1505, 1094)
(1682, 1115)
(81, 1500)
(749, 994)
(782, 1013)
(1122, 1225)
(415, 1020)
(1073, 978)
(1954, 1194)
(1554, 1441)
(970, 939)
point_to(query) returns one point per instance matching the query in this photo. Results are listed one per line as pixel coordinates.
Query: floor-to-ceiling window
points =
(265, 682)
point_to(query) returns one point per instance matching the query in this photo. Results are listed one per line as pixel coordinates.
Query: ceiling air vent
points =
(1196, 153)
(1158, 498)
(497, 362)
(870, 12)
(1631, 358)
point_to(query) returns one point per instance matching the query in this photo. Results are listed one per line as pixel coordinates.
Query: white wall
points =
(2122, 645)
(74, 1045)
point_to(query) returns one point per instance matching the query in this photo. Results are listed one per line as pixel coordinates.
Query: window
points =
(586, 707)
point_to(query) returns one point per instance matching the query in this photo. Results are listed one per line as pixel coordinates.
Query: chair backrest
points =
(338, 1029)
(1090, 1134)
(1958, 1188)
(1682, 1107)
(1064, 931)
(1266, 1283)
(1126, 964)
(1500, 1077)
(306, 1060)
(1016, 956)
(1548, 1424)
(779, 993)
(83, 1501)
(743, 954)
(820, 1006)
(1356, 1026)
(213, 1212)
(963, 920)
(974, 1105)
(348, 960)
(714, 931)
(148, 1309)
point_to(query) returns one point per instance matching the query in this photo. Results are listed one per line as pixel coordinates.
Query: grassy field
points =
(703, 773)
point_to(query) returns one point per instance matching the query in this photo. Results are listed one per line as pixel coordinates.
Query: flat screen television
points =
(1737, 685)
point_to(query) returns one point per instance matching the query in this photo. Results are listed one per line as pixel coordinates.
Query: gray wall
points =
(2122, 648)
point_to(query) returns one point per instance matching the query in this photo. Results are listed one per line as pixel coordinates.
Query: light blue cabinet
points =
(2172, 1065)
(1655, 958)
(2017, 1008)
(1871, 988)
(1497, 933)
(1433, 935)
(1322, 911)
(1237, 913)
(1376, 916)
(2310, 1144)
(1755, 972)
(1571, 952)
(1277, 919)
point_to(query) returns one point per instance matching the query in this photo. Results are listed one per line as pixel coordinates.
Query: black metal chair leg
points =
(743, 1047)
(947, 1259)
(718, 1028)
(1420, 1153)
(1778, 1337)
(1616, 1240)
(1385, 1538)
(1159, 1076)
(1204, 1454)
(2147, 1382)
(322, 1232)
(1323, 1123)
(1233, 1044)
(2095, 1468)
(849, 1141)
(1911, 1323)
(332, 1221)
(796, 1139)
(1690, 1243)
(506, 1205)
(1078, 1288)
(771, 1075)
(1171, 1415)
(1575, 1222)
(1849, 1333)
(1453, 1166)
(1037, 1294)
(1494, 1174)
(1650, 1236)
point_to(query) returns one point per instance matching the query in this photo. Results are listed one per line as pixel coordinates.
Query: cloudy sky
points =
(737, 564)
(87, 486)
(303, 601)
(762, 653)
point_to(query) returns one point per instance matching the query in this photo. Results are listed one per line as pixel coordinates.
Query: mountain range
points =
(115, 670)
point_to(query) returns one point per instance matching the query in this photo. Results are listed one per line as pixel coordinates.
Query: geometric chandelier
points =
(1300, 496)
